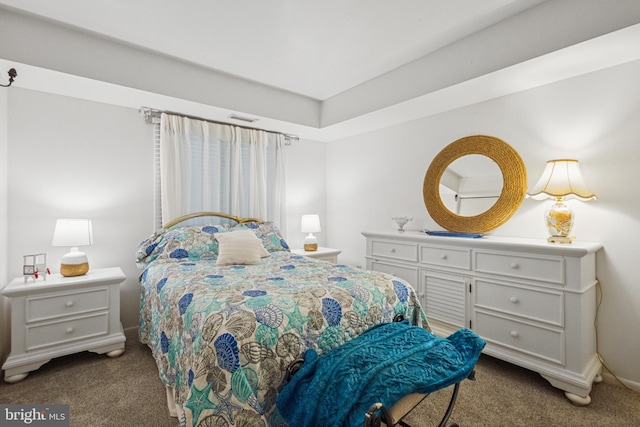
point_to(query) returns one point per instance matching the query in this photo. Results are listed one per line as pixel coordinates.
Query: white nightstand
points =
(325, 254)
(63, 315)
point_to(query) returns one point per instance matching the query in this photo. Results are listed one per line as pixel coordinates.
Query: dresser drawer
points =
(400, 251)
(48, 306)
(541, 305)
(548, 269)
(410, 274)
(542, 342)
(63, 331)
(446, 257)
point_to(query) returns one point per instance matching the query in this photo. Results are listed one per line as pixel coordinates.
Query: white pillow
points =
(239, 247)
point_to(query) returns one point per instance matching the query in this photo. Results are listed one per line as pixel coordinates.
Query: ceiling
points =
(313, 48)
(329, 69)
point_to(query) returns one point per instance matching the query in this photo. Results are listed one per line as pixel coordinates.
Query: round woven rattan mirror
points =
(514, 175)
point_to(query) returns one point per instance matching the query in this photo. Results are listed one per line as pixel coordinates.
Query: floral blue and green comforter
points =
(223, 337)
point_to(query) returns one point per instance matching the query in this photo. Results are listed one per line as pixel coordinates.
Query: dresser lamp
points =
(73, 233)
(310, 224)
(561, 180)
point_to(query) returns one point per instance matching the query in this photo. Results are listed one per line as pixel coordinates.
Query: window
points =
(205, 166)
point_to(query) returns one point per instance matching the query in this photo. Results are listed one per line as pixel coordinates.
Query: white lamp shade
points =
(561, 178)
(72, 232)
(310, 224)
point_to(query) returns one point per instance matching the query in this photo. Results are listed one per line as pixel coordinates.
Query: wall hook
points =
(12, 74)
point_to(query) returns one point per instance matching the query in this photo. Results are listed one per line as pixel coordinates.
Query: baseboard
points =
(610, 379)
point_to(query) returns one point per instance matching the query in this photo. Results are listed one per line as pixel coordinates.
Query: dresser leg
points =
(115, 353)
(578, 400)
(15, 378)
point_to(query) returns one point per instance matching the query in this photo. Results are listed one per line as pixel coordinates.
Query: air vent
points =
(242, 118)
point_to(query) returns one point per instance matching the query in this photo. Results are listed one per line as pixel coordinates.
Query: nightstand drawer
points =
(446, 257)
(329, 258)
(57, 333)
(401, 251)
(541, 305)
(545, 343)
(48, 306)
(323, 254)
(539, 268)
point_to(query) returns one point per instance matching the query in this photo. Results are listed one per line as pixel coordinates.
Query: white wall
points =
(70, 158)
(81, 159)
(593, 118)
(306, 189)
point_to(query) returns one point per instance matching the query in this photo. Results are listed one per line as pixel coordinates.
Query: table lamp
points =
(310, 224)
(73, 233)
(561, 180)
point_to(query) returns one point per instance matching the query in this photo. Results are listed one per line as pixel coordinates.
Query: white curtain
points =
(208, 166)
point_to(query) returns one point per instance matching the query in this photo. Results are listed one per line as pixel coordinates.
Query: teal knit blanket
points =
(384, 364)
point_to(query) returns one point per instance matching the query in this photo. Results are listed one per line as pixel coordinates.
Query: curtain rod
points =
(150, 114)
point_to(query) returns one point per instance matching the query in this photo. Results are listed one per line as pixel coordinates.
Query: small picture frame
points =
(34, 266)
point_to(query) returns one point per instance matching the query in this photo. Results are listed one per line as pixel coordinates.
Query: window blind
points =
(157, 190)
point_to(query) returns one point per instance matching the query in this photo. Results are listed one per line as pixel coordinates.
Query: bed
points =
(224, 317)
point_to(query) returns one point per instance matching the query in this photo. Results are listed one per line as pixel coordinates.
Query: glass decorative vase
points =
(401, 221)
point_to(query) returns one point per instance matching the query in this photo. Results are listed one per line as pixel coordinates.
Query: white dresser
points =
(63, 315)
(532, 301)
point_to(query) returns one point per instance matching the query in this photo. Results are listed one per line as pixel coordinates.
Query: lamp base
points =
(559, 221)
(560, 239)
(310, 247)
(310, 243)
(74, 263)
(70, 270)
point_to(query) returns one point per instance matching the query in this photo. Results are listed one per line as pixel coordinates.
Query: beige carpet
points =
(127, 392)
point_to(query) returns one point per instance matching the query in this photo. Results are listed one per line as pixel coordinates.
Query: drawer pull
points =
(69, 304)
(514, 300)
(392, 250)
(443, 256)
(514, 334)
(515, 265)
(69, 330)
